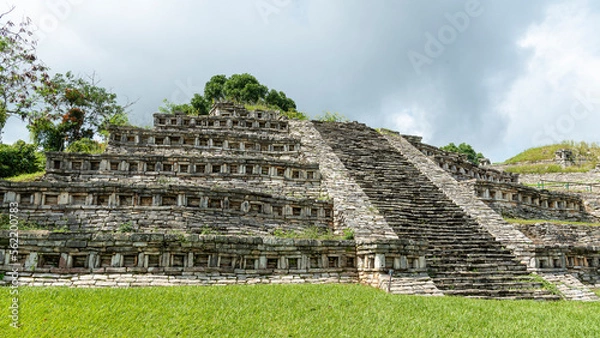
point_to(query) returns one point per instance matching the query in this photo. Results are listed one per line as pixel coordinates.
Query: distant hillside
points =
(540, 160)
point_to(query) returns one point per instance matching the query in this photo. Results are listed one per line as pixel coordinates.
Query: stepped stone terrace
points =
(233, 197)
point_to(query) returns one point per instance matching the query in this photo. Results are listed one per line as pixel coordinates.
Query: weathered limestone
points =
(462, 258)
(457, 164)
(107, 206)
(206, 201)
(352, 208)
(519, 201)
(466, 200)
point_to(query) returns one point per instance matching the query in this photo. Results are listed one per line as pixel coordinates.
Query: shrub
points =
(86, 145)
(19, 158)
(332, 117)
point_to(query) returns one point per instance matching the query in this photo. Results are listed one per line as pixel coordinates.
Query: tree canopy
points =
(21, 73)
(59, 110)
(241, 88)
(463, 148)
(74, 108)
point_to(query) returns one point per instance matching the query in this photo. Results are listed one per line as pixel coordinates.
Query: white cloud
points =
(544, 104)
(409, 119)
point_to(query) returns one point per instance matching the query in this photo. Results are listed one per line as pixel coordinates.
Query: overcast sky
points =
(500, 75)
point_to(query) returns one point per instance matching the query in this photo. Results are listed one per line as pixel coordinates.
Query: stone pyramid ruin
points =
(246, 197)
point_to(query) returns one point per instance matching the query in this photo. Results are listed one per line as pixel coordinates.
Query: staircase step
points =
(461, 254)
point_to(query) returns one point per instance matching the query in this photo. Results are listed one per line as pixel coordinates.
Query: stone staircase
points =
(570, 287)
(463, 258)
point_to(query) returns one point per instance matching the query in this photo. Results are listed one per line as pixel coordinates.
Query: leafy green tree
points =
(19, 158)
(74, 108)
(240, 88)
(21, 73)
(200, 104)
(213, 89)
(244, 88)
(463, 148)
(280, 100)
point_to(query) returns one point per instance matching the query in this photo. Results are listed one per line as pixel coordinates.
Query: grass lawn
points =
(285, 311)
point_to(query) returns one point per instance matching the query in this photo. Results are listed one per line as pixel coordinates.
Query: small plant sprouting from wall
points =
(553, 289)
(348, 234)
(323, 197)
(21, 225)
(126, 227)
(313, 233)
(206, 230)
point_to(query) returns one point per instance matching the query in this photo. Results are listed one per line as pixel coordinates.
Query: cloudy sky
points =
(500, 75)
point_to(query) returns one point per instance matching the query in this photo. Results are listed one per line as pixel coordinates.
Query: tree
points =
(463, 148)
(21, 73)
(19, 158)
(74, 108)
(240, 88)
(200, 104)
(213, 89)
(197, 106)
(244, 88)
(280, 100)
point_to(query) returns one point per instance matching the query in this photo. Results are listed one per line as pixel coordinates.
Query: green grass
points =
(597, 291)
(27, 177)
(292, 114)
(535, 221)
(545, 153)
(548, 168)
(286, 311)
(21, 225)
(314, 233)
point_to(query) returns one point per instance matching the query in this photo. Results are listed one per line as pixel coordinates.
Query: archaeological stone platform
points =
(212, 200)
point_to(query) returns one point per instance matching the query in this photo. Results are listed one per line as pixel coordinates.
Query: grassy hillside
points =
(286, 311)
(527, 162)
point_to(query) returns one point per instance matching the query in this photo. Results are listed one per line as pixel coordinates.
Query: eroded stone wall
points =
(107, 259)
(519, 201)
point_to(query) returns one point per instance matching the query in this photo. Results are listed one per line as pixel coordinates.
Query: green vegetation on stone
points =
(466, 149)
(27, 177)
(85, 145)
(285, 311)
(313, 233)
(545, 168)
(21, 224)
(126, 227)
(294, 115)
(240, 88)
(581, 150)
(332, 117)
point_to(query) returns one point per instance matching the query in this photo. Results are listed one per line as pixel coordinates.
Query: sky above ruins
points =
(502, 76)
